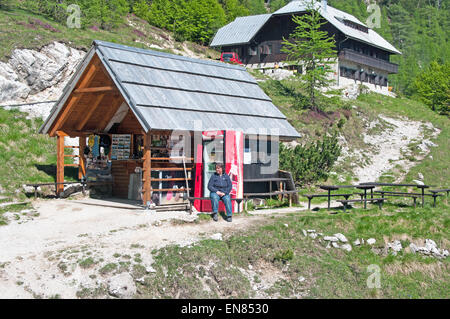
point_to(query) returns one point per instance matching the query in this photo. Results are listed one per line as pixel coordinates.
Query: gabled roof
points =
(241, 30)
(171, 92)
(332, 15)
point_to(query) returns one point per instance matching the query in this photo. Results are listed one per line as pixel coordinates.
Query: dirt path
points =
(42, 257)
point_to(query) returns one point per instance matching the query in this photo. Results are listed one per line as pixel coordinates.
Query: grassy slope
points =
(20, 24)
(328, 273)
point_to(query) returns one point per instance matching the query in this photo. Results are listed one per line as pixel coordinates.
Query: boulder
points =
(346, 247)
(122, 286)
(217, 236)
(341, 237)
(331, 238)
(395, 246)
(356, 242)
(413, 248)
(335, 244)
(371, 241)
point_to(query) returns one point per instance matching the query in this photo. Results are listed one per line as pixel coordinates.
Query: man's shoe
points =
(215, 218)
(229, 219)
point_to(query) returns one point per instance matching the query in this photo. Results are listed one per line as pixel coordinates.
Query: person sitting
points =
(220, 187)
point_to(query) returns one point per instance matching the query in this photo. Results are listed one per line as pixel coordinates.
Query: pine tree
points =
(313, 48)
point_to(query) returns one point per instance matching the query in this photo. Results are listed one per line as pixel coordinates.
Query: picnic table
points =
(403, 185)
(330, 188)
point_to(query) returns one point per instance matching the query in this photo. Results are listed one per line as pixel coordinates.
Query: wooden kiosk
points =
(136, 99)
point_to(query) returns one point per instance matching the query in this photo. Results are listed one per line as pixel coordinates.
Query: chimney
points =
(324, 5)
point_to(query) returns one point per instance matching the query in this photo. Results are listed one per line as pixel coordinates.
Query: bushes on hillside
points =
(432, 87)
(311, 162)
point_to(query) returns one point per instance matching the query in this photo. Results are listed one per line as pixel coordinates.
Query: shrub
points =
(311, 162)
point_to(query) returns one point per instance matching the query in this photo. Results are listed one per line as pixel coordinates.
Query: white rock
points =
(346, 247)
(356, 242)
(413, 248)
(341, 237)
(150, 269)
(28, 189)
(122, 286)
(217, 236)
(396, 246)
(418, 182)
(304, 233)
(445, 253)
(371, 241)
(313, 235)
(335, 245)
(250, 267)
(330, 238)
(301, 279)
(430, 244)
(255, 287)
(286, 225)
(420, 176)
(141, 280)
(311, 231)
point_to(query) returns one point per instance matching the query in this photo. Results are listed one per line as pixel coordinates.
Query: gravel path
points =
(35, 253)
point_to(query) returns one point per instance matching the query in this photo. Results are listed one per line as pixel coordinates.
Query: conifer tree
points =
(313, 48)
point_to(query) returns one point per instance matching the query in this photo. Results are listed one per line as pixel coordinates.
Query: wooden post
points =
(81, 158)
(59, 162)
(146, 171)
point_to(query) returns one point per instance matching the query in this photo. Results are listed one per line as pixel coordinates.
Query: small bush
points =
(284, 255)
(311, 162)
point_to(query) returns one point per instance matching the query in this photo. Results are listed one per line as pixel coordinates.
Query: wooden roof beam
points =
(91, 111)
(102, 89)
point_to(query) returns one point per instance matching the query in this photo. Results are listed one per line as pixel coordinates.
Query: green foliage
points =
(313, 48)
(284, 255)
(6, 4)
(432, 86)
(107, 14)
(233, 9)
(195, 20)
(312, 162)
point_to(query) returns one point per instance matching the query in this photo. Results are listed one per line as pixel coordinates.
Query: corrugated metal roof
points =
(240, 31)
(167, 91)
(333, 15)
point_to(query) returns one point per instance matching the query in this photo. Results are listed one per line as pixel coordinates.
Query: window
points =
(252, 51)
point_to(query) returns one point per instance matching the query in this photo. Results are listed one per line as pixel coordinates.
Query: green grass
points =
(26, 156)
(212, 269)
(15, 24)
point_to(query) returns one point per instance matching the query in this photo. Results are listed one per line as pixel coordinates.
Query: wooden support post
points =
(59, 162)
(146, 172)
(81, 158)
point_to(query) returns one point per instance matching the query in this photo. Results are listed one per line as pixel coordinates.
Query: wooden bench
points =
(397, 195)
(192, 199)
(379, 201)
(409, 195)
(275, 193)
(311, 196)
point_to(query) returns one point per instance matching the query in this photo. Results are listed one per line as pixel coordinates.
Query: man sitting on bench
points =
(220, 187)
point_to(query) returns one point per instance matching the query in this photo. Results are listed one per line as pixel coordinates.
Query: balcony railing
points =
(359, 58)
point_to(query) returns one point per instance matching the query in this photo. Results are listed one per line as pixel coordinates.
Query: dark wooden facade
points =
(266, 46)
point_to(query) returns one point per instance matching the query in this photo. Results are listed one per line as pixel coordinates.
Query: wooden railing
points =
(359, 58)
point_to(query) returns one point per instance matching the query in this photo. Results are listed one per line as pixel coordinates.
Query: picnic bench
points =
(346, 196)
(274, 193)
(414, 195)
(422, 187)
(192, 199)
(379, 201)
(330, 188)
